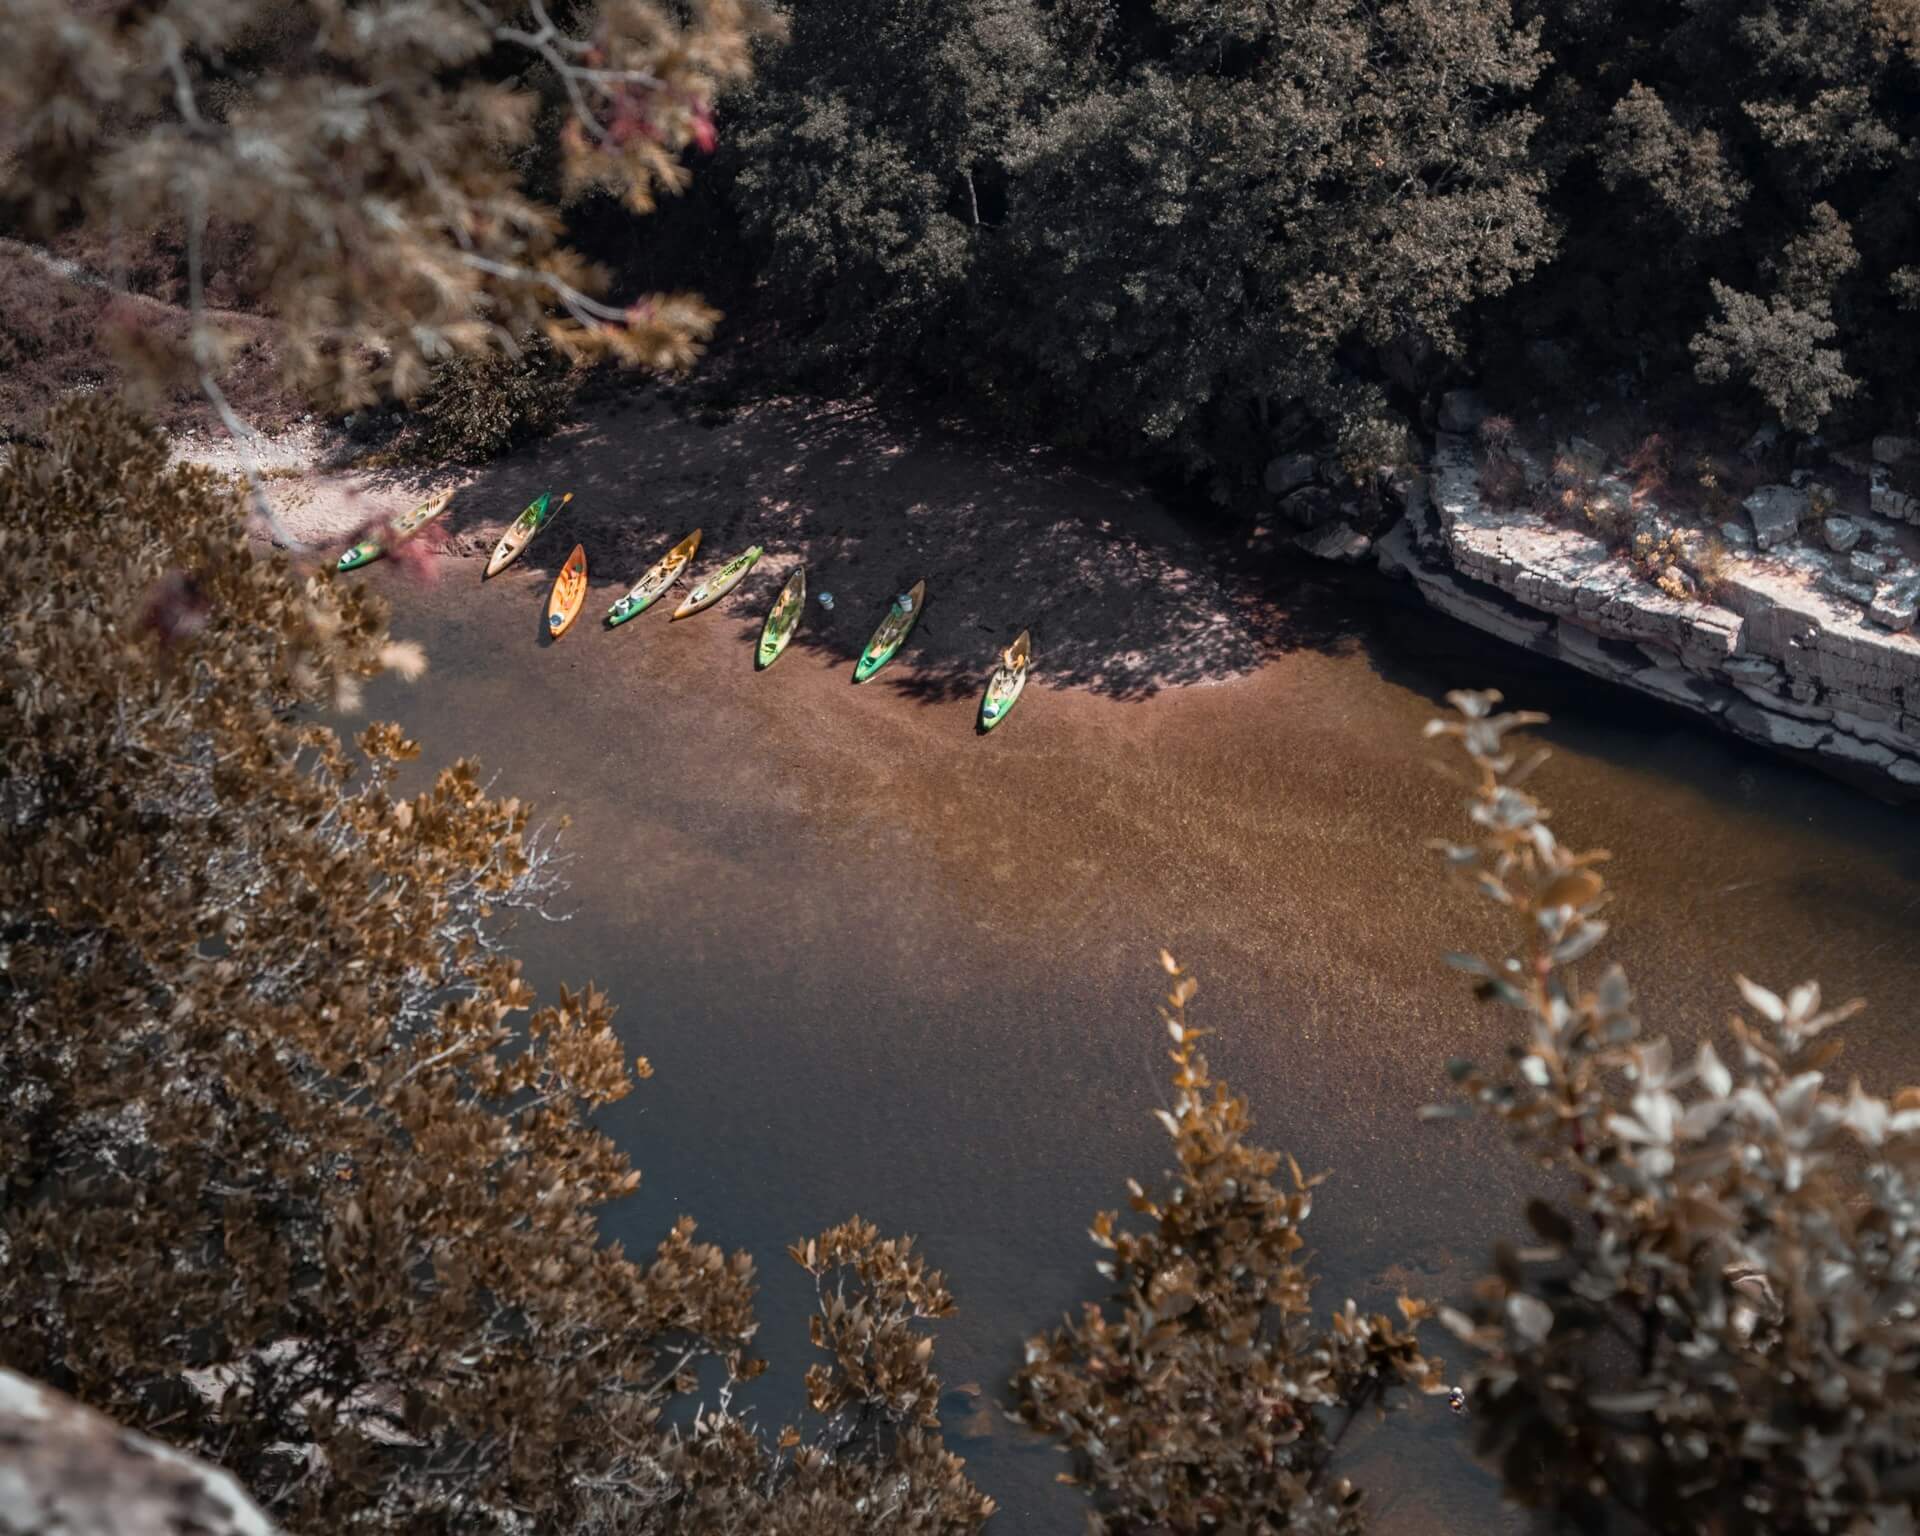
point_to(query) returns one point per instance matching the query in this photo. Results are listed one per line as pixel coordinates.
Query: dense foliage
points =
(369, 174)
(293, 1172)
(1719, 1331)
(1204, 234)
(1155, 227)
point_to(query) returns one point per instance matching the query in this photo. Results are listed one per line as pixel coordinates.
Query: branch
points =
(238, 430)
(581, 306)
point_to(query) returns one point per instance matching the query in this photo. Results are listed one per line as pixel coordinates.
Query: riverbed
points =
(884, 965)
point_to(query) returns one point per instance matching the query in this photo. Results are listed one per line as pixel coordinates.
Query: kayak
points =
(718, 585)
(664, 572)
(1005, 686)
(521, 531)
(374, 546)
(783, 618)
(569, 593)
(893, 630)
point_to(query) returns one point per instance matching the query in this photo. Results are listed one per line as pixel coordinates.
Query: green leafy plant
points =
(1715, 1330)
(1199, 1397)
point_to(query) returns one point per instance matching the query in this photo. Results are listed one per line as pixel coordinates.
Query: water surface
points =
(883, 965)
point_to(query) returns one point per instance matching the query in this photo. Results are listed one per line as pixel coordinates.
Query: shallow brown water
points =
(885, 966)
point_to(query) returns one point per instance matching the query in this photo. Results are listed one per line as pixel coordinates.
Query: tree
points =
(1687, 148)
(375, 163)
(1150, 228)
(1197, 1400)
(1717, 1332)
(293, 1173)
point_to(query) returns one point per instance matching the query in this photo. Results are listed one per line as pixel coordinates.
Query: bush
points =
(1716, 1333)
(478, 408)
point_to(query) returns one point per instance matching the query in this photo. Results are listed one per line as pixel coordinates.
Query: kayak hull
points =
(660, 576)
(371, 549)
(891, 634)
(719, 584)
(1008, 682)
(521, 530)
(569, 594)
(782, 619)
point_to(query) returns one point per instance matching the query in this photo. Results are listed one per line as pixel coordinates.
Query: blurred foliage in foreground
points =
(295, 1175)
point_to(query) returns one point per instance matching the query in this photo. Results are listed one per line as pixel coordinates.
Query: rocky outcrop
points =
(1773, 656)
(67, 1469)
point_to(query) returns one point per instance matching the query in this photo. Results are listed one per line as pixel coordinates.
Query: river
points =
(885, 966)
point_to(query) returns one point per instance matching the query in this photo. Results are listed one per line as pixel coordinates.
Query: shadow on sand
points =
(1121, 599)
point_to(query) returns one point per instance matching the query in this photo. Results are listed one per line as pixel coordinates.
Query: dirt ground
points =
(1119, 597)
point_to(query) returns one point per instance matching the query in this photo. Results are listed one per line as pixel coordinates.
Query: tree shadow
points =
(1120, 597)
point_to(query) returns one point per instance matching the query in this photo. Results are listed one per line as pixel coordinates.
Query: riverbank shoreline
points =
(1776, 655)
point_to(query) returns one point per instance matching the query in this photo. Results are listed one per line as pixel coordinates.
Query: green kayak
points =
(893, 630)
(662, 575)
(783, 618)
(1005, 687)
(520, 532)
(373, 547)
(717, 585)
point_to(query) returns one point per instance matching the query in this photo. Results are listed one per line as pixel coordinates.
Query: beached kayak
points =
(783, 618)
(718, 585)
(893, 630)
(520, 532)
(663, 573)
(569, 593)
(374, 546)
(1005, 686)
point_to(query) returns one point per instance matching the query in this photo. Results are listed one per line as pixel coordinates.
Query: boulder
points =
(1895, 603)
(1339, 541)
(1891, 503)
(1309, 507)
(1736, 536)
(1776, 511)
(1841, 533)
(1762, 443)
(1289, 472)
(74, 1471)
(1461, 410)
(1853, 591)
(1862, 566)
(1891, 449)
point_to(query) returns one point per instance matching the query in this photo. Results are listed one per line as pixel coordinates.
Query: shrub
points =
(477, 408)
(1717, 1332)
(1194, 1400)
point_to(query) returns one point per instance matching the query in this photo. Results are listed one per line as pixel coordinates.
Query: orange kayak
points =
(569, 593)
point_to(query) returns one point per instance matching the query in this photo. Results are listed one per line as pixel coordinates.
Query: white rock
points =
(1778, 730)
(1895, 603)
(74, 1471)
(1891, 503)
(1853, 591)
(1736, 536)
(1340, 541)
(1776, 511)
(1842, 533)
(1889, 449)
(1865, 567)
